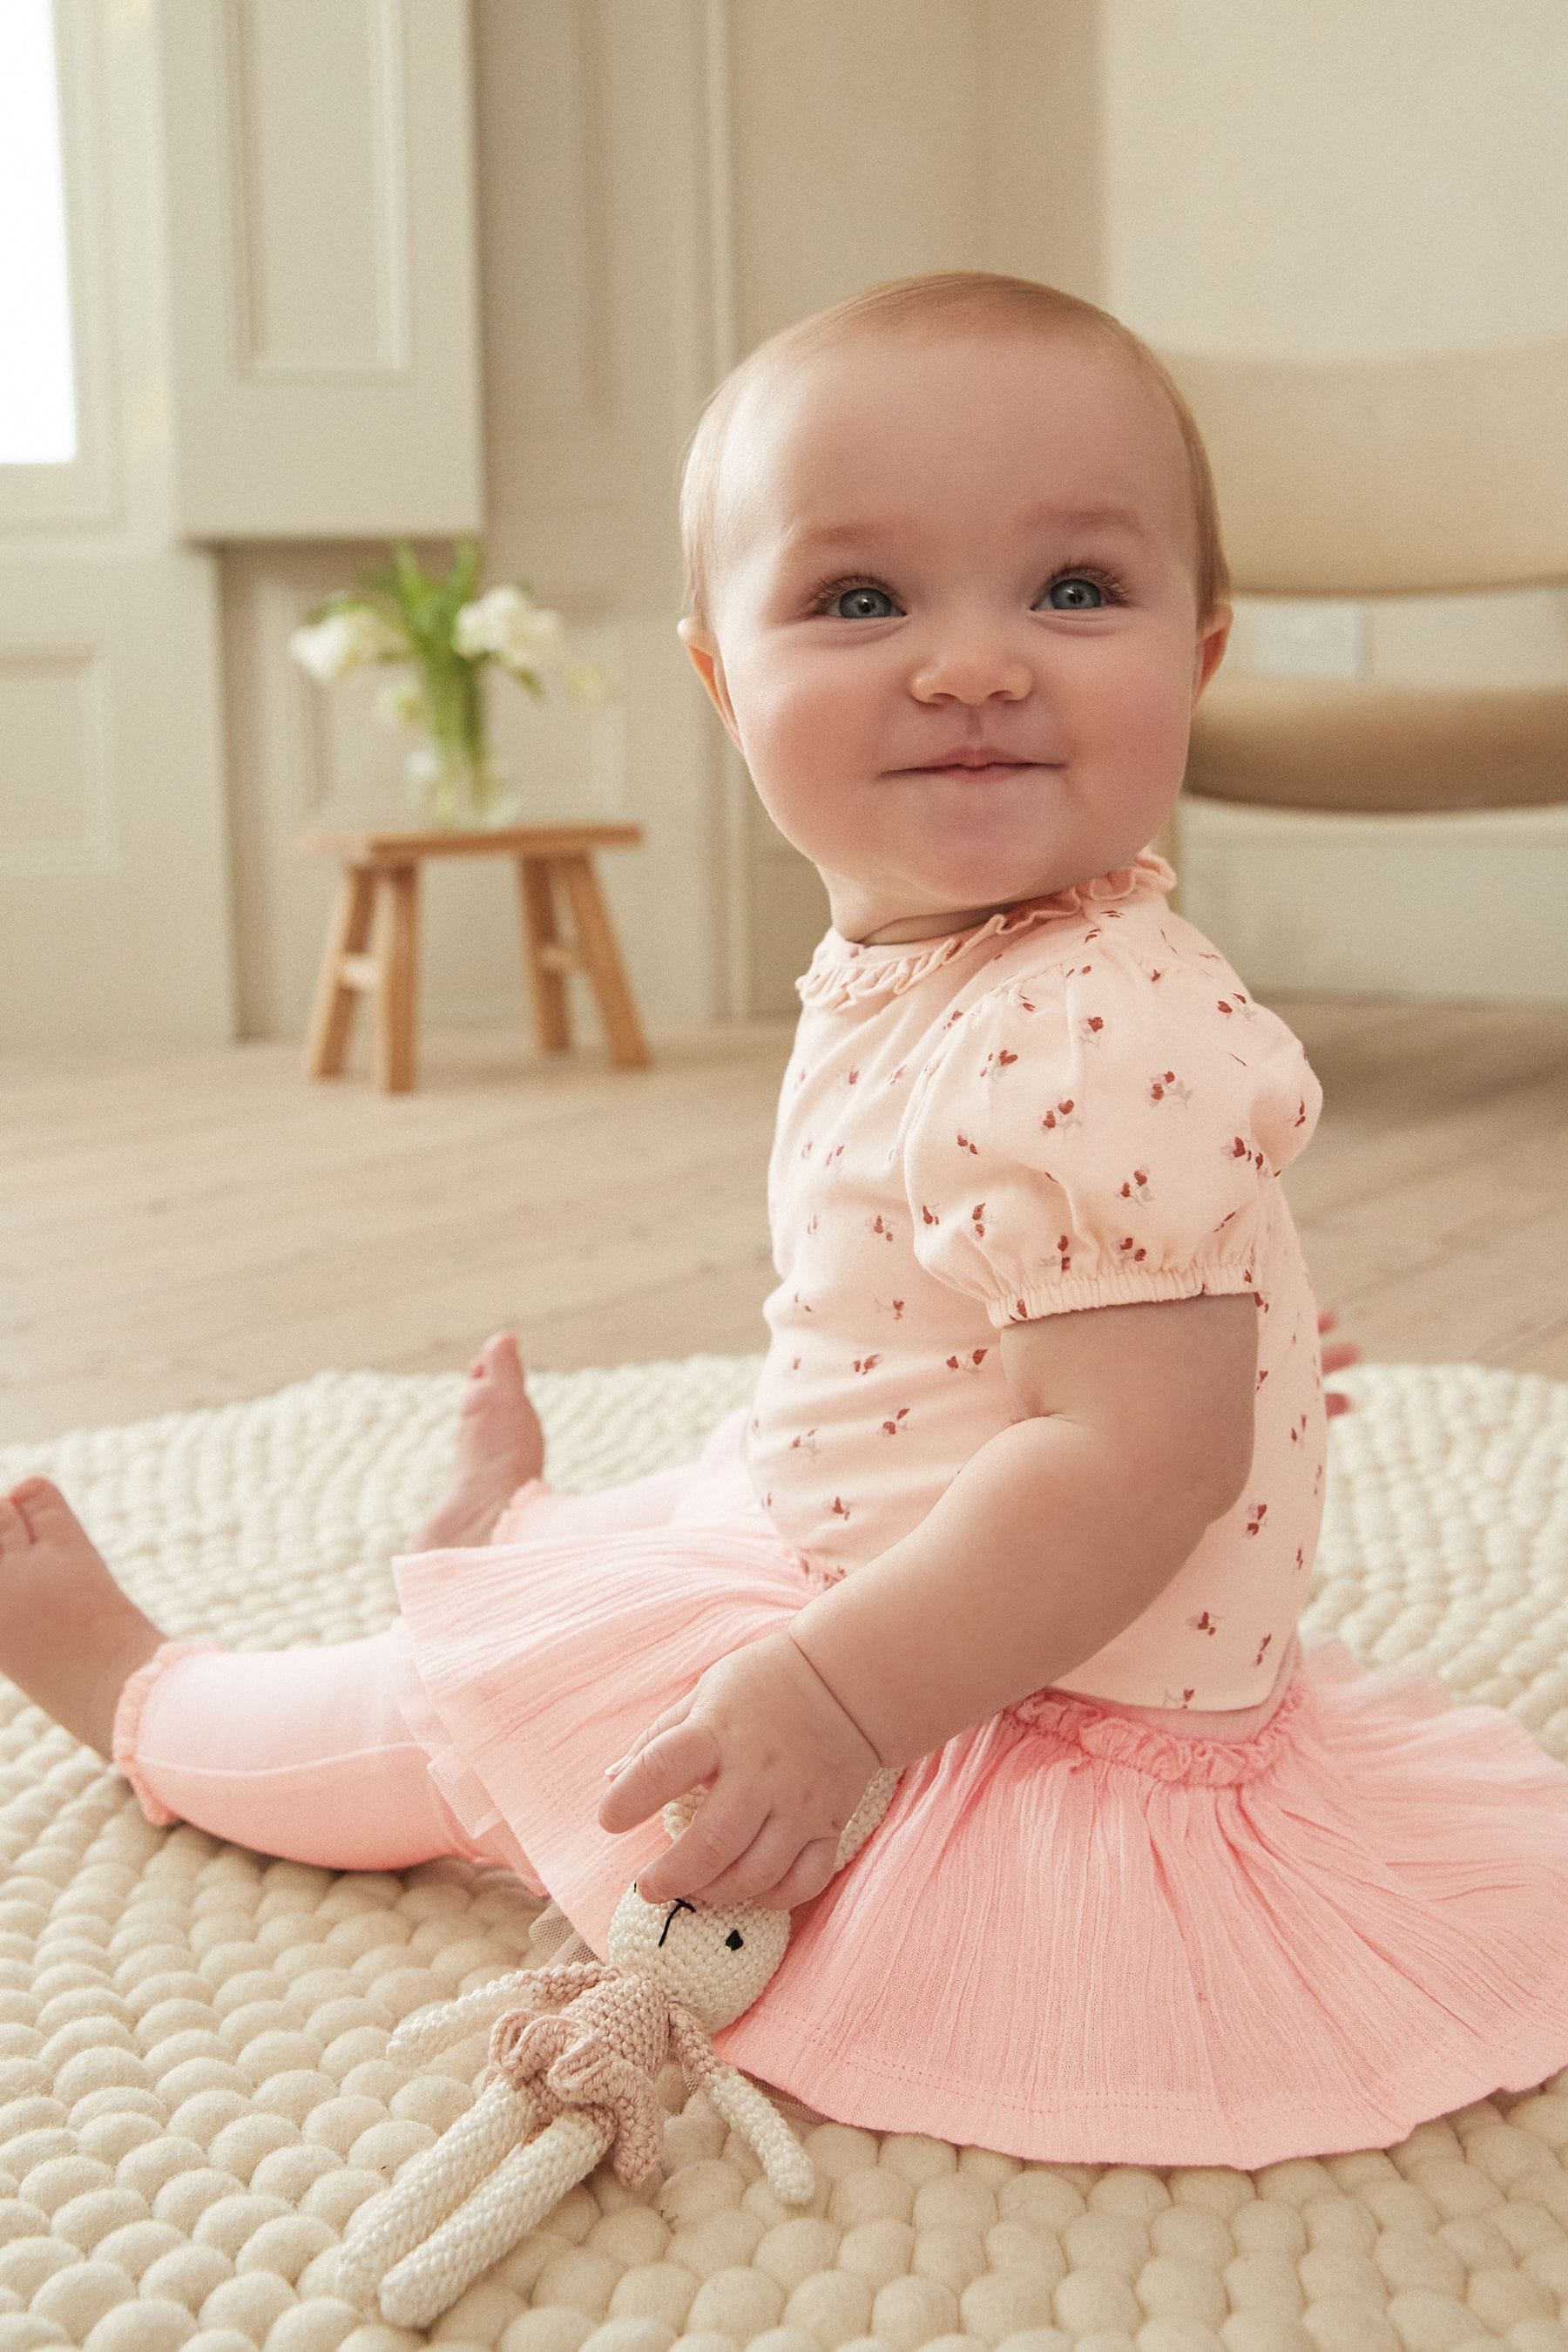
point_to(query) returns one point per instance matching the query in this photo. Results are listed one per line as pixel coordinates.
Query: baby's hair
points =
(949, 298)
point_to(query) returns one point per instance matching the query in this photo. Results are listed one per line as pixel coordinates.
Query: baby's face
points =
(915, 573)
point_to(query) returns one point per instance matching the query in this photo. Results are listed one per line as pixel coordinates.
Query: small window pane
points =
(37, 403)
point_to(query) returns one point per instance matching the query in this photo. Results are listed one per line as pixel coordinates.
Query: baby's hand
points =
(784, 1766)
(1335, 1359)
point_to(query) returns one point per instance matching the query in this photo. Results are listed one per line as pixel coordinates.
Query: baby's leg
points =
(303, 1753)
(501, 1448)
(499, 1493)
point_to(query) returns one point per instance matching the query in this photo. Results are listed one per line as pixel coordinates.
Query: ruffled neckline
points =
(847, 971)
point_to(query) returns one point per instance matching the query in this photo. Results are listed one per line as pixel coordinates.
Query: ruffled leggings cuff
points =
(129, 1711)
(520, 1509)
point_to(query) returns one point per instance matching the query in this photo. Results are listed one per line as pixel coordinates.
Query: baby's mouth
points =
(993, 768)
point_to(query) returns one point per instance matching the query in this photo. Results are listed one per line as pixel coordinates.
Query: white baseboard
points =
(1467, 906)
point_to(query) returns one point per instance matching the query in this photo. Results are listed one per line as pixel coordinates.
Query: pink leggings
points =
(309, 1754)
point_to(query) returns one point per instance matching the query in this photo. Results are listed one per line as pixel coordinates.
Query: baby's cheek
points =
(807, 748)
(1140, 730)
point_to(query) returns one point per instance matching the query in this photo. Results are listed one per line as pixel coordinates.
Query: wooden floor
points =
(191, 1229)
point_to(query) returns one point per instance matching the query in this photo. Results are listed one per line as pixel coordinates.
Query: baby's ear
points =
(1212, 638)
(703, 648)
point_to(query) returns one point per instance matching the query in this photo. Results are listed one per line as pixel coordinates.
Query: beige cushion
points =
(1329, 743)
(1361, 477)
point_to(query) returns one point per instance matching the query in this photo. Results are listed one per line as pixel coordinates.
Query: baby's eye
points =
(1071, 591)
(1075, 593)
(857, 604)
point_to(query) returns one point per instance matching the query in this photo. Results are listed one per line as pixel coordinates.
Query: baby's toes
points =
(491, 1367)
(502, 1361)
(45, 1512)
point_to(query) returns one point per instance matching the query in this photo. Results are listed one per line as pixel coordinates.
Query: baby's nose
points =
(972, 669)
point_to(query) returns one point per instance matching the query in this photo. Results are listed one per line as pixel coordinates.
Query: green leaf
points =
(465, 572)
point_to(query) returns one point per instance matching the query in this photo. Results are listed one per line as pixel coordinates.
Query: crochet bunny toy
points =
(575, 2053)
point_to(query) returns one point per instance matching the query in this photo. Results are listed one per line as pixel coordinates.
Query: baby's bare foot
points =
(69, 1636)
(500, 1446)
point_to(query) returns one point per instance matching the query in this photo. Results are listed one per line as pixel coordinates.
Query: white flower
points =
(507, 623)
(400, 703)
(346, 640)
(590, 685)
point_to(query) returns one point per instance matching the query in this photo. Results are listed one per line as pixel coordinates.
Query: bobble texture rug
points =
(194, 2094)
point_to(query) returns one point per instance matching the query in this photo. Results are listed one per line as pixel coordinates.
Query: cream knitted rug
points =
(194, 2094)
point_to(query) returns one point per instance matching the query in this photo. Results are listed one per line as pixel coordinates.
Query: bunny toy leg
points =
(432, 2187)
(524, 2188)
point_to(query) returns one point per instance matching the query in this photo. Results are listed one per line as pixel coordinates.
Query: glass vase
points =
(453, 782)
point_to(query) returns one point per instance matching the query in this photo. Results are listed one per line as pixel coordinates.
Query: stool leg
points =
(552, 1025)
(601, 960)
(331, 1014)
(398, 951)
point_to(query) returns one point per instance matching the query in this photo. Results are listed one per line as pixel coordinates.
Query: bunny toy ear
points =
(878, 1796)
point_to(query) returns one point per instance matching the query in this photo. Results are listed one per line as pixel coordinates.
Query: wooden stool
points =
(373, 942)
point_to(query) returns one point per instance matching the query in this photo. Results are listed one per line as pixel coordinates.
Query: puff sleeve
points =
(1105, 1134)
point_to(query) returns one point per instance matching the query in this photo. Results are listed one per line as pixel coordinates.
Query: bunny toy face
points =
(715, 1958)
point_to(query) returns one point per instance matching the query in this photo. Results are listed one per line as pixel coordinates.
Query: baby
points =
(1026, 1501)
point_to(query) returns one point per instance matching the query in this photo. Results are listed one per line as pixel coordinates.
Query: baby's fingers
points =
(669, 1765)
(720, 1829)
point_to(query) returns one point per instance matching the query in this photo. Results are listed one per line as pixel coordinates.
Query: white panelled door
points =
(321, 175)
(114, 922)
(272, 295)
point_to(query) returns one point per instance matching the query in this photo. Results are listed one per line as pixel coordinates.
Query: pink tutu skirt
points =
(1075, 1936)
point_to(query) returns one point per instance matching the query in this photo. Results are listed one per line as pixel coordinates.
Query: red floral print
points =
(1167, 1035)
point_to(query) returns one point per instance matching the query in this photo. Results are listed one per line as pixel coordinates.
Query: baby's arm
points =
(1137, 1433)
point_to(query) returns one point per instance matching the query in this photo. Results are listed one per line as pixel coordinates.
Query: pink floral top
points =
(1072, 1105)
